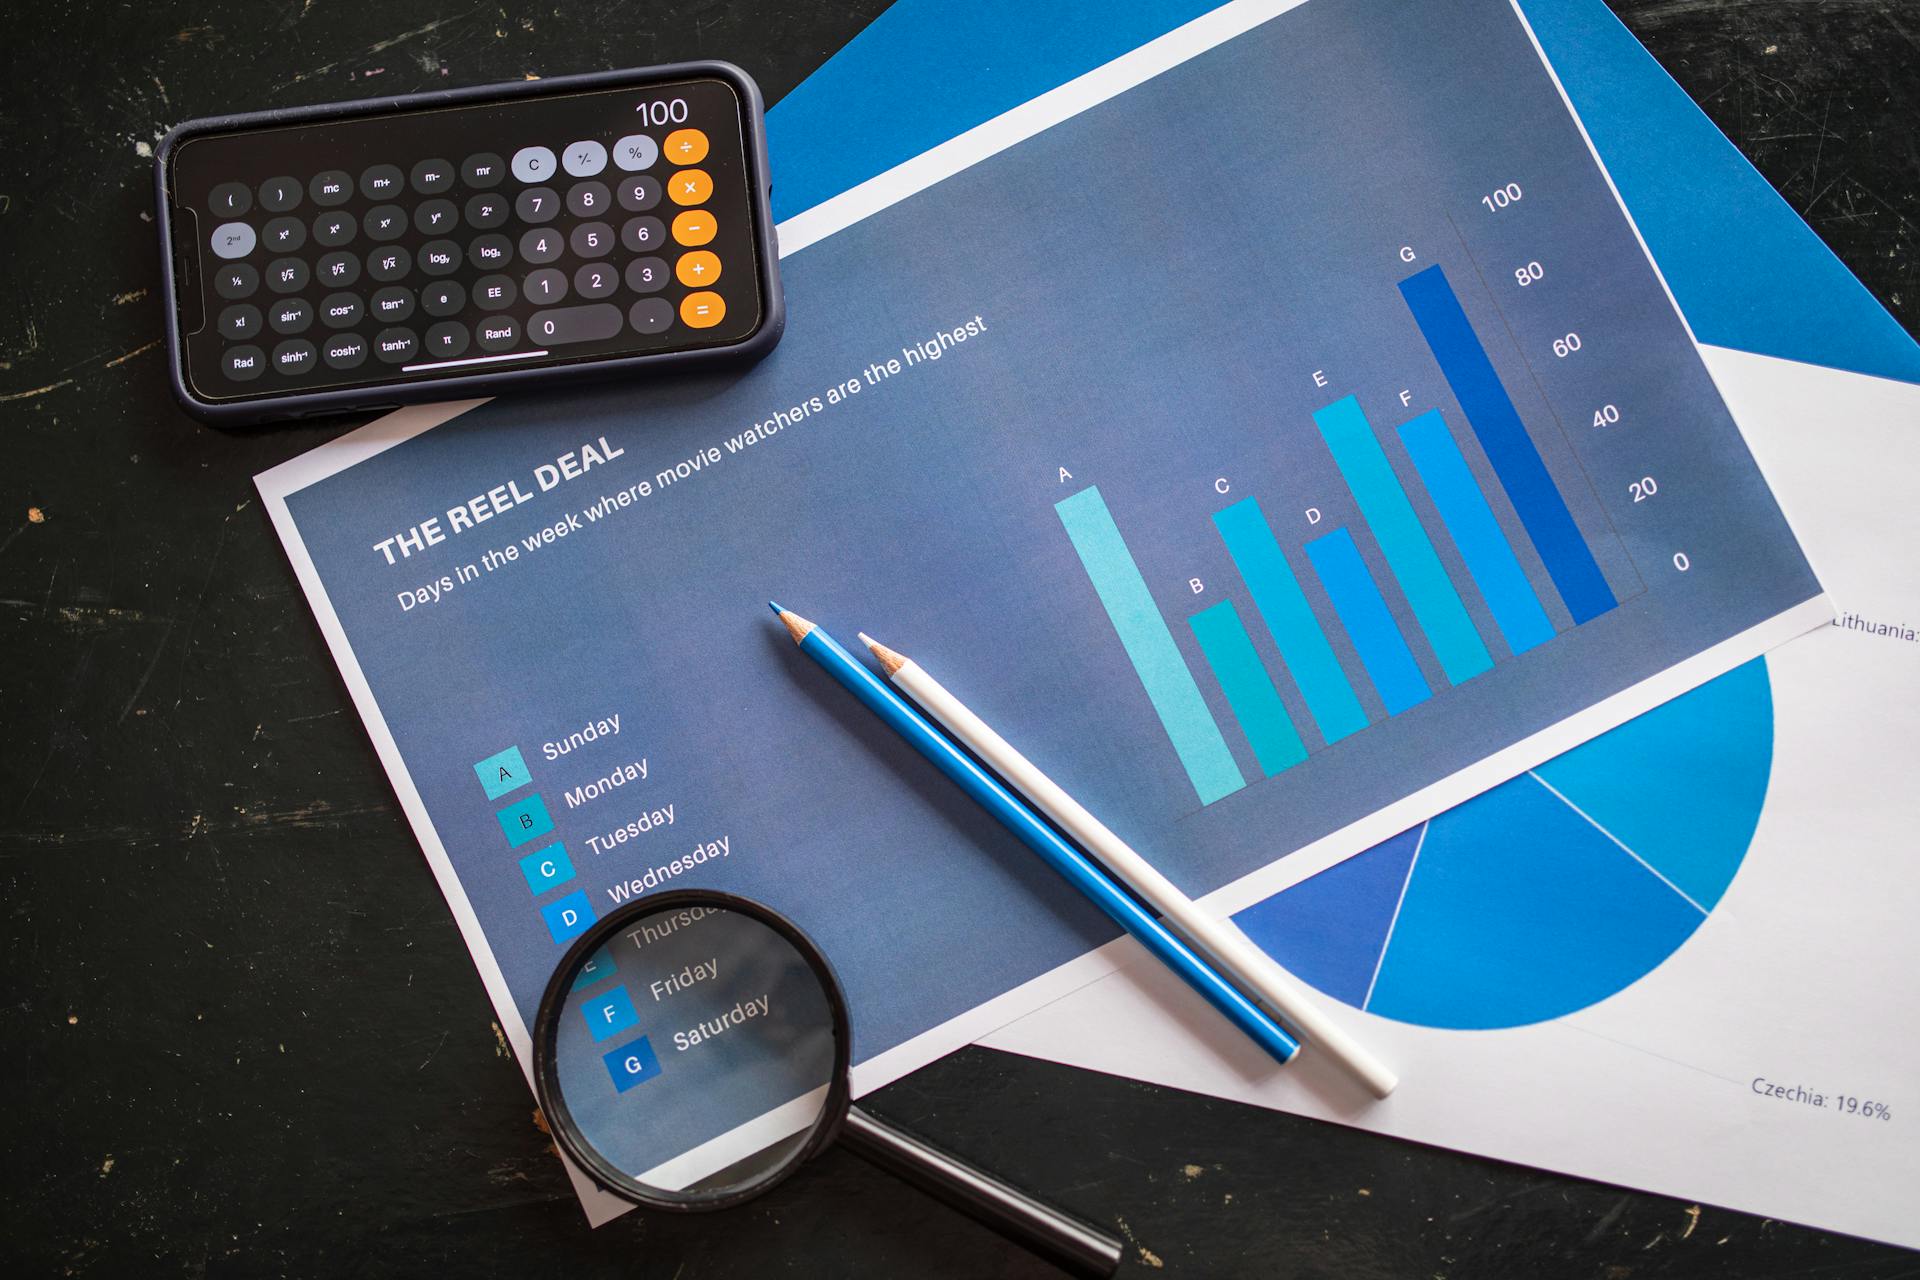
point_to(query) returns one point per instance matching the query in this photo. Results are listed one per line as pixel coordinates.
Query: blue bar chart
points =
(1496, 423)
(1405, 544)
(1256, 703)
(1394, 622)
(1149, 643)
(1283, 606)
(1470, 521)
(1364, 614)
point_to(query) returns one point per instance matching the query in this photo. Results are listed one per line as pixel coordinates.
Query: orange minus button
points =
(702, 310)
(694, 227)
(698, 269)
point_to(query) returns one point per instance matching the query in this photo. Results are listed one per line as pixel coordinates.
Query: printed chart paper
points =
(1277, 459)
(1677, 957)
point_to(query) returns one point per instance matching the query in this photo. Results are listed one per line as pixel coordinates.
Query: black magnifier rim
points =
(546, 1070)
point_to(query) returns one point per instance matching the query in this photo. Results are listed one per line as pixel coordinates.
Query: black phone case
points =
(473, 386)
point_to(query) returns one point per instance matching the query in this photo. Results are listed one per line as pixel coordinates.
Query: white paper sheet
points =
(1805, 975)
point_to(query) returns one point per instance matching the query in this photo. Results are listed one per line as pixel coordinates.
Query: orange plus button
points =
(689, 186)
(694, 227)
(698, 269)
(685, 146)
(702, 310)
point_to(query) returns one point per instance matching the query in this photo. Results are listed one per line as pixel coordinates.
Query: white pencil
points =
(1252, 968)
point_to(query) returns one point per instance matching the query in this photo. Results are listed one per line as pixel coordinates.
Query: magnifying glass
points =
(692, 1050)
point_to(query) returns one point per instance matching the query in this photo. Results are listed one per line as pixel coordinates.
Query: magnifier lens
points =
(693, 1056)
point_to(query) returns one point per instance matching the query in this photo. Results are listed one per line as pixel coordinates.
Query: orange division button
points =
(689, 186)
(685, 146)
(702, 310)
(698, 269)
(694, 227)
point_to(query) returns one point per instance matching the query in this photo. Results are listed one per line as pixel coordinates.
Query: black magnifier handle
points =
(1066, 1241)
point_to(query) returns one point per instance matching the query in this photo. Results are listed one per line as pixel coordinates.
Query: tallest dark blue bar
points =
(1496, 423)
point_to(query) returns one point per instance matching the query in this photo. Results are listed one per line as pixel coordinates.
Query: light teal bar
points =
(1256, 703)
(1150, 646)
(1410, 554)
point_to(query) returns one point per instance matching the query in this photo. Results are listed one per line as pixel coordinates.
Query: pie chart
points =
(1550, 892)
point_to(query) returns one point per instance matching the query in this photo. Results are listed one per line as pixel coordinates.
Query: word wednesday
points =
(711, 1027)
(703, 851)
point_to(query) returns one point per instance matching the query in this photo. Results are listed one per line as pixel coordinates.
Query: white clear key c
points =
(534, 164)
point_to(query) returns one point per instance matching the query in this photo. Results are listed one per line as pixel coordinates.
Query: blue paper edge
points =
(1747, 272)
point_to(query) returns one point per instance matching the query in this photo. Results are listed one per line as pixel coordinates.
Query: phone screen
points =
(421, 244)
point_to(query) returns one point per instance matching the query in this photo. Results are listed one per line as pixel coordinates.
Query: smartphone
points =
(449, 245)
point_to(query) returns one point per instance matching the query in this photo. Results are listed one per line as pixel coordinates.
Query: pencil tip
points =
(797, 627)
(775, 607)
(890, 661)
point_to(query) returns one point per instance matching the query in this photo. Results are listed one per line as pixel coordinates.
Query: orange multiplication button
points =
(685, 146)
(694, 227)
(698, 269)
(702, 310)
(689, 186)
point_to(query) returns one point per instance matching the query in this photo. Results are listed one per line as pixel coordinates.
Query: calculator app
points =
(420, 244)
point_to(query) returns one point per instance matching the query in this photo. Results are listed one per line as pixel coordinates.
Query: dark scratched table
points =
(239, 1032)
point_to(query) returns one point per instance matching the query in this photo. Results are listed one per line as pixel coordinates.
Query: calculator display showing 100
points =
(411, 250)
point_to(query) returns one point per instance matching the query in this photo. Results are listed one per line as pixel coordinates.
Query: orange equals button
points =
(702, 310)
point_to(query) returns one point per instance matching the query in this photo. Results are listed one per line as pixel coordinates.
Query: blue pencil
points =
(1013, 813)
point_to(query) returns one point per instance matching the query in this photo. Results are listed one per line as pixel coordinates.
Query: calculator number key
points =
(537, 204)
(545, 286)
(596, 280)
(595, 322)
